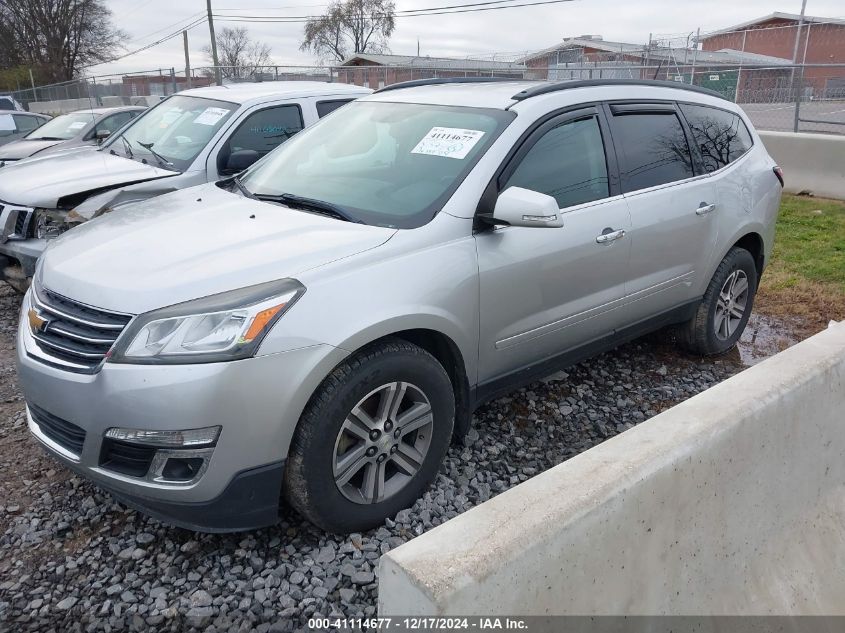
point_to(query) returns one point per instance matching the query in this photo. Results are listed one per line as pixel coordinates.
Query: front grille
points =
(64, 433)
(125, 458)
(22, 223)
(73, 332)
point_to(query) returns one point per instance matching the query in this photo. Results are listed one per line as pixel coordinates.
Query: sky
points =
(467, 34)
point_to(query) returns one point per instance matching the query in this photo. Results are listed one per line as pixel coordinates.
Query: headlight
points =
(50, 223)
(227, 326)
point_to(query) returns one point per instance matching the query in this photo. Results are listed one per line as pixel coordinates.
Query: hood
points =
(194, 243)
(25, 148)
(42, 181)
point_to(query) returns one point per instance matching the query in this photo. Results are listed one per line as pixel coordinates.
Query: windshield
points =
(63, 127)
(176, 130)
(388, 164)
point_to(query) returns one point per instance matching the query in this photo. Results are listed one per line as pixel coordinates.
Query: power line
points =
(409, 13)
(189, 19)
(166, 38)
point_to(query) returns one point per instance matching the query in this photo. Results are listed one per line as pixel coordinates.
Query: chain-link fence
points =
(753, 66)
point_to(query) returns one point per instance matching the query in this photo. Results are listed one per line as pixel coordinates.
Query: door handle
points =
(704, 208)
(610, 236)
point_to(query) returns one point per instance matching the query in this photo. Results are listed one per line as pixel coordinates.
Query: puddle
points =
(763, 337)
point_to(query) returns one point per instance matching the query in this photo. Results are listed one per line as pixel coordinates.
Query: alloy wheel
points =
(382, 443)
(731, 305)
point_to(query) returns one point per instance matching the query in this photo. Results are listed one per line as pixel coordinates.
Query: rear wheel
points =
(726, 307)
(371, 439)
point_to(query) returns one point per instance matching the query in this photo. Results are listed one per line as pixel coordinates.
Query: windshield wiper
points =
(127, 146)
(161, 159)
(240, 186)
(309, 204)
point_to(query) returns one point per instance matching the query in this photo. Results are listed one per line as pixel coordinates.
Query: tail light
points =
(779, 173)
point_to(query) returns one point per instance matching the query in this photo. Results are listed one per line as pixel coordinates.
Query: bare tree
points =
(239, 55)
(349, 27)
(57, 38)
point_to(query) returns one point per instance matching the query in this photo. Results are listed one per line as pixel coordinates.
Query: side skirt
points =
(502, 385)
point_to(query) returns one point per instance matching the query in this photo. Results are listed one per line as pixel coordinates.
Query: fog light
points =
(181, 469)
(190, 438)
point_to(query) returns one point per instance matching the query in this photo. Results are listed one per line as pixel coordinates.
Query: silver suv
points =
(320, 328)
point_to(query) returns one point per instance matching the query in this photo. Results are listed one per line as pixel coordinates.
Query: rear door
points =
(544, 291)
(672, 205)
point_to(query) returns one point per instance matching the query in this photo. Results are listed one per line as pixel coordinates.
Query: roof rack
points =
(445, 80)
(541, 89)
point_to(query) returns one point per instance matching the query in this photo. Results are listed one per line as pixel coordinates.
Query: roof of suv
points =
(504, 94)
(245, 92)
(109, 110)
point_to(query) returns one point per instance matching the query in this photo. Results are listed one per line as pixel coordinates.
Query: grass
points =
(805, 280)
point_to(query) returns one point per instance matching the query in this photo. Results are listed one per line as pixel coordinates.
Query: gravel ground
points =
(73, 559)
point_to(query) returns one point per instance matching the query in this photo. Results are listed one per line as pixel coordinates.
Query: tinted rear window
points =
(652, 149)
(327, 107)
(721, 136)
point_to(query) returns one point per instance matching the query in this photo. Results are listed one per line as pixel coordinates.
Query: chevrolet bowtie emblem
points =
(37, 323)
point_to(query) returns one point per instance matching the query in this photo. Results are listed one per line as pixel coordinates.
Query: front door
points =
(547, 290)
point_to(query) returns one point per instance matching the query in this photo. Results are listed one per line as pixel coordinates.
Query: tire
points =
(709, 331)
(335, 434)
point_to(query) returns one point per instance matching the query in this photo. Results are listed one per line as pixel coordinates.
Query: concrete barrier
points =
(730, 503)
(64, 106)
(813, 163)
(113, 102)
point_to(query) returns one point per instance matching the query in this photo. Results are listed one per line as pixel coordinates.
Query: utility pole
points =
(694, 56)
(797, 90)
(217, 75)
(187, 60)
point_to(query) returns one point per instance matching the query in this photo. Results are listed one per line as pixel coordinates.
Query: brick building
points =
(820, 41)
(592, 57)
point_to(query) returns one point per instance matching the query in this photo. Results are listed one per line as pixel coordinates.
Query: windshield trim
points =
(428, 213)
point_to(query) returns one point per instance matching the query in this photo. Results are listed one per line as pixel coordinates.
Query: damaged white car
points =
(193, 137)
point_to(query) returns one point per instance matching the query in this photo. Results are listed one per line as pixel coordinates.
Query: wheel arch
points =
(753, 243)
(444, 346)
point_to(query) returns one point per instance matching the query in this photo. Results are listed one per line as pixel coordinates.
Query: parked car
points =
(15, 125)
(7, 102)
(83, 127)
(321, 327)
(193, 137)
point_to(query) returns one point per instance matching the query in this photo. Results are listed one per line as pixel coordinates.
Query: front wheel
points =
(726, 307)
(371, 439)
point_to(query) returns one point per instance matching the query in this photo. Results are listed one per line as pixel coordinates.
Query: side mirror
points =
(102, 135)
(522, 207)
(240, 160)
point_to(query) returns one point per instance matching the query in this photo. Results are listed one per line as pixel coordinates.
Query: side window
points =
(7, 125)
(114, 122)
(262, 132)
(567, 163)
(721, 136)
(327, 107)
(27, 124)
(652, 149)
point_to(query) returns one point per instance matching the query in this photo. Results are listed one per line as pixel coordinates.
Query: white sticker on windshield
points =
(450, 142)
(77, 125)
(211, 116)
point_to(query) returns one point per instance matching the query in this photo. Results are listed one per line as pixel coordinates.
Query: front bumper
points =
(256, 402)
(23, 253)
